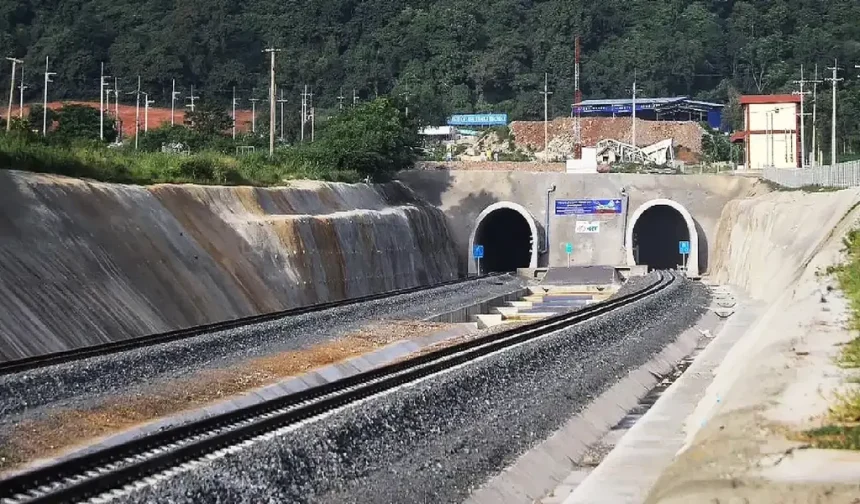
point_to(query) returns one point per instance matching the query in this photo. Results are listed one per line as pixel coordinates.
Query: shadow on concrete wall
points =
(462, 217)
(432, 185)
(703, 248)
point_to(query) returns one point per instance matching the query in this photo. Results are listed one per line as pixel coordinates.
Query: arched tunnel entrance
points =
(508, 233)
(654, 233)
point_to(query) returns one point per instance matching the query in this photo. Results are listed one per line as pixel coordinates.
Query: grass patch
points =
(843, 429)
(773, 186)
(124, 165)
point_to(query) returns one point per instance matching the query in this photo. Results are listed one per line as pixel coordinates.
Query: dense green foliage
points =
(373, 140)
(449, 55)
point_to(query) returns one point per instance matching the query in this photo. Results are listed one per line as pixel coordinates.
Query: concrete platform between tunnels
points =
(653, 234)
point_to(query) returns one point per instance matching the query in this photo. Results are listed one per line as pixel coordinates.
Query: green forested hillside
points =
(451, 55)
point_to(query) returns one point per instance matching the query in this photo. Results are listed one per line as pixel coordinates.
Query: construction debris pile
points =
(687, 136)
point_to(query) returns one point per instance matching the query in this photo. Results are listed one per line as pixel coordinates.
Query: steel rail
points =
(52, 359)
(113, 469)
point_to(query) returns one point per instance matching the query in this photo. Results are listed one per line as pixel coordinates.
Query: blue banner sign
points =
(478, 120)
(684, 247)
(587, 207)
(478, 252)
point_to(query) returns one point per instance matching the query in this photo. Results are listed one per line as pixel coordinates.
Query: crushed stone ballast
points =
(52, 359)
(112, 471)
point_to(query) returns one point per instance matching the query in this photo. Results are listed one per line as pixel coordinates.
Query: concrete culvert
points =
(509, 236)
(655, 231)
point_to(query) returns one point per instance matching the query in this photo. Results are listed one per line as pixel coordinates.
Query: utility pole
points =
(802, 94)
(254, 114)
(102, 86)
(116, 110)
(15, 62)
(304, 110)
(137, 114)
(354, 97)
(340, 99)
(192, 98)
(835, 82)
(815, 84)
(546, 92)
(45, 99)
(21, 87)
(272, 51)
(173, 96)
(281, 102)
(634, 112)
(234, 112)
(147, 102)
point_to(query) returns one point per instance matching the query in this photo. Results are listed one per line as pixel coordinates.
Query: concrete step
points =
(504, 311)
(520, 304)
(487, 320)
(531, 316)
(534, 298)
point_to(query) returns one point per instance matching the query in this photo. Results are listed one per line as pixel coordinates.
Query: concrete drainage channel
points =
(557, 470)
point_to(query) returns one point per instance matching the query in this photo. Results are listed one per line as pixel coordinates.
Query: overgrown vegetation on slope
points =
(372, 140)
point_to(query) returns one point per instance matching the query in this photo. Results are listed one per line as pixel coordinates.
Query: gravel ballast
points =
(78, 384)
(439, 439)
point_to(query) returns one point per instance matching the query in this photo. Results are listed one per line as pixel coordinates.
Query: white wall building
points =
(771, 135)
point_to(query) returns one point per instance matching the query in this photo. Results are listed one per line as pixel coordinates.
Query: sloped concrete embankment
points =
(83, 263)
(780, 375)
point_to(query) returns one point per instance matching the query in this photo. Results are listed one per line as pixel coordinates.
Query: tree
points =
(374, 139)
(81, 122)
(209, 119)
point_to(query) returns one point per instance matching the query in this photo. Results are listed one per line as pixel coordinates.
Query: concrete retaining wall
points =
(462, 195)
(83, 263)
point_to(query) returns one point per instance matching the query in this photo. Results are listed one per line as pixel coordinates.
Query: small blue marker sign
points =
(684, 247)
(478, 252)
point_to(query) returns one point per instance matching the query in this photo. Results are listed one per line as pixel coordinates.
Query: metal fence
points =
(840, 175)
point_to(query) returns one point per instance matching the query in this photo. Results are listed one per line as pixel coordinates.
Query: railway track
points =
(29, 363)
(108, 473)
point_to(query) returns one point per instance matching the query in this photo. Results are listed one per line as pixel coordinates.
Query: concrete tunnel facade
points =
(662, 223)
(513, 238)
(510, 235)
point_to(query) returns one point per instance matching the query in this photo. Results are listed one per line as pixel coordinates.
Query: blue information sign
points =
(587, 207)
(478, 120)
(684, 247)
(568, 248)
(478, 252)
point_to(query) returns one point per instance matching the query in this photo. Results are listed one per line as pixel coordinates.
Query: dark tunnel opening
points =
(656, 235)
(507, 240)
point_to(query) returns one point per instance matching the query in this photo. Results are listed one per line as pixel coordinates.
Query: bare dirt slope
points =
(84, 262)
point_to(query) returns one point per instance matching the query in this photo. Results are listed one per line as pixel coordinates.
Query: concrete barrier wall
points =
(462, 195)
(83, 263)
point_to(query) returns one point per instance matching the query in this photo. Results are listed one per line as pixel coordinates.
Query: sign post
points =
(684, 250)
(568, 247)
(478, 254)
